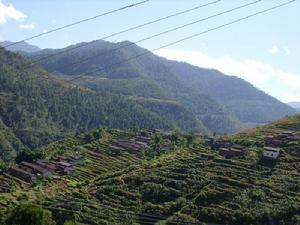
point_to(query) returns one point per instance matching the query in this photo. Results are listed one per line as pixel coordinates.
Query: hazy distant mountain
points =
(295, 105)
(222, 103)
(19, 47)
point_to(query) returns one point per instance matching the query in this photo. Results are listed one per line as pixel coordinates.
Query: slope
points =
(295, 105)
(40, 109)
(248, 103)
(187, 185)
(131, 78)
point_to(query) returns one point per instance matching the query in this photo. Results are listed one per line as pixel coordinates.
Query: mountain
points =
(295, 105)
(37, 109)
(189, 184)
(20, 47)
(222, 103)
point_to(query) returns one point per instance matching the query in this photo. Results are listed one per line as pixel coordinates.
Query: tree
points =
(29, 214)
(157, 141)
(189, 139)
(29, 156)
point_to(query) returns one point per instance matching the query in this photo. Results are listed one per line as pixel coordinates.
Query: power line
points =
(122, 32)
(159, 34)
(78, 22)
(188, 38)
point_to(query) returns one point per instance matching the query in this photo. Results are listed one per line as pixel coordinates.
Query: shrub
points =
(29, 214)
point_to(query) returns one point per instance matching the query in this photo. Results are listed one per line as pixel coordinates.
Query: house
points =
(281, 138)
(37, 170)
(271, 153)
(233, 151)
(143, 139)
(217, 143)
(4, 185)
(115, 149)
(74, 160)
(64, 168)
(132, 146)
(23, 175)
(46, 164)
(165, 146)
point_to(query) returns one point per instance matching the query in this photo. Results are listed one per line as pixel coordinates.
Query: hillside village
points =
(58, 166)
(110, 166)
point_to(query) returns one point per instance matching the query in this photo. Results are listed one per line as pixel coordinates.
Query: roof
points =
(272, 149)
(288, 132)
(65, 164)
(16, 169)
(239, 147)
(34, 167)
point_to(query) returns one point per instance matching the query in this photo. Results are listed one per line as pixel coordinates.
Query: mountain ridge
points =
(295, 105)
(37, 108)
(209, 94)
(19, 46)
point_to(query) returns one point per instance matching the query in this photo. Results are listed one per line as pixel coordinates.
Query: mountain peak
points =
(19, 47)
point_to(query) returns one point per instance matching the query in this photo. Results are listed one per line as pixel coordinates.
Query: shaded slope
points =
(247, 102)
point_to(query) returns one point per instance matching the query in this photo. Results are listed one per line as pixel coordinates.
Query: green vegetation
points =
(191, 183)
(36, 109)
(28, 214)
(223, 104)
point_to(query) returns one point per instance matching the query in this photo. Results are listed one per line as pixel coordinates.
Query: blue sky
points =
(263, 50)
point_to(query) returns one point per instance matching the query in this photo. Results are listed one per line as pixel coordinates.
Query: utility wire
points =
(187, 38)
(157, 35)
(78, 22)
(121, 32)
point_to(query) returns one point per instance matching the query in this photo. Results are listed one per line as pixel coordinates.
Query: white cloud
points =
(27, 26)
(287, 51)
(283, 85)
(10, 12)
(273, 50)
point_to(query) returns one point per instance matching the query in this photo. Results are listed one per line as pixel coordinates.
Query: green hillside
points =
(188, 185)
(222, 103)
(38, 109)
(147, 76)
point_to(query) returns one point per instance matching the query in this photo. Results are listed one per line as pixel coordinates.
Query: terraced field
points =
(188, 185)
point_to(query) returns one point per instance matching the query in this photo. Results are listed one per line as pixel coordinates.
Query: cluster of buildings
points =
(138, 143)
(271, 150)
(225, 147)
(133, 145)
(40, 168)
(281, 138)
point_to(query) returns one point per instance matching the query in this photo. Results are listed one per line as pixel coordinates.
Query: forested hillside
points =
(38, 109)
(222, 103)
